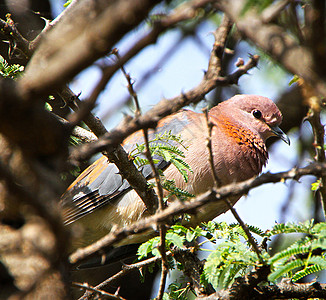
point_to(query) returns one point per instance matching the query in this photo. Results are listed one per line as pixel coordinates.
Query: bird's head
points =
(257, 113)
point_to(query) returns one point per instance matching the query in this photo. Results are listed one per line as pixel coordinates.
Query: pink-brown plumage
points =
(242, 124)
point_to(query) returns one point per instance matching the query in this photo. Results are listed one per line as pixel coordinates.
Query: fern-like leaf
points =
(285, 269)
(306, 271)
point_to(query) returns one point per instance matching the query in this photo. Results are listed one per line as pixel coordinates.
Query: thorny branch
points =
(16, 41)
(165, 107)
(247, 288)
(193, 268)
(94, 290)
(162, 228)
(227, 201)
(187, 98)
(135, 178)
(186, 11)
(10, 32)
(56, 60)
(115, 152)
(275, 40)
(125, 270)
(313, 116)
(316, 169)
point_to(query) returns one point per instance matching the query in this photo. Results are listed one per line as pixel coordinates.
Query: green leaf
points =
(48, 106)
(305, 272)
(10, 71)
(226, 262)
(190, 236)
(294, 79)
(174, 238)
(306, 227)
(289, 252)
(149, 247)
(285, 269)
(181, 194)
(67, 3)
(315, 185)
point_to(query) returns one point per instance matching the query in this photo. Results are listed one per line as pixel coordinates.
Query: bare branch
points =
(274, 10)
(64, 52)
(103, 294)
(10, 32)
(313, 116)
(276, 41)
(84, 135)
(185, 11)
(193, 268)
(125, 270)
(159, 187)
(215, 195)
(283, 290)
(227, 201)
(163, 108)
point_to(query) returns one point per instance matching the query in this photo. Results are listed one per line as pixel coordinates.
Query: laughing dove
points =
(100, 198)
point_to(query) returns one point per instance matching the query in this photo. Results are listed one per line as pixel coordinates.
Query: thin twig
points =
(193, 269)
(126, 269)
(165, 107)
(130, 85)
(16, 40)
(83, 134)
(210, 151)
(94, 290)
(226, 200)
(296, 23)
(165, 266)
(134, 95)
(283, 290)
(177, 208)
(277, 42)
(274, 10)
(162, 228)
(147, 76)
(313, 116)
(187, 10)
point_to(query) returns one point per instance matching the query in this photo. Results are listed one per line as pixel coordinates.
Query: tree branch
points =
(274, 40)
(193, 268)
(185, 11)
(165, 107)
(91, 26)
(283, 290)
(215, 195)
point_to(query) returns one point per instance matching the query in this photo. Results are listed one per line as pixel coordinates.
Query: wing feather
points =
(101, 182)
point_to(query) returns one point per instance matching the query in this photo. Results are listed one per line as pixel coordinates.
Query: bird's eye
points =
(257, 113)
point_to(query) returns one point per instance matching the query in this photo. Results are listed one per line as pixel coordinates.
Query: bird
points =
(100, 199)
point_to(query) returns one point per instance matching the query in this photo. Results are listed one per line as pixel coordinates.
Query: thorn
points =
(240, 62)
(117, 291)
(228, 51)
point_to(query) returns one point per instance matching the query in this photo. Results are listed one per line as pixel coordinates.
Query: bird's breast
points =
(240, 151)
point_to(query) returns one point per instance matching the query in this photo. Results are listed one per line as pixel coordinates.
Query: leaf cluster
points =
(177, 290)
(230, 256)
(165, 146)
(305, 256)
(10, 71)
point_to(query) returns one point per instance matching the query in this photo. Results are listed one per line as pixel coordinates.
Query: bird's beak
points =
(279, 132)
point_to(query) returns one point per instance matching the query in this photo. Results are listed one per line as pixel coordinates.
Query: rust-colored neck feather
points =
(252, 146)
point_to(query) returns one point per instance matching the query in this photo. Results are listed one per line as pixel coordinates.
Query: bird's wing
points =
(101, 182)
